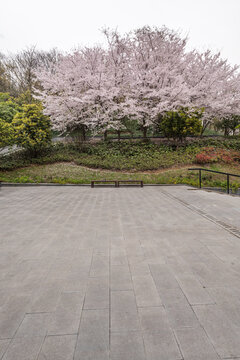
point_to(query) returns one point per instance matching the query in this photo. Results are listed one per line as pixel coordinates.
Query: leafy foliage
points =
(124, 155)
(32, 129)
(180, 124)
(228, 124)
(6, 133)
(216, 155)
(8, 107)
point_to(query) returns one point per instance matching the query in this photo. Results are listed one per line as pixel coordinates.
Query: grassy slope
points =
(126, 160)
(73, 174)
(113, 156)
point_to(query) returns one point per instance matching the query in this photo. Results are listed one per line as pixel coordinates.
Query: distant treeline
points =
(17, 70)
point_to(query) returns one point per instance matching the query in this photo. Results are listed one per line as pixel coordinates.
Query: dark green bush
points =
(32, 129)
(180, 124)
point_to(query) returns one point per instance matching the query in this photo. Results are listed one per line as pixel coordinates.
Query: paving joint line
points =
(231, 229)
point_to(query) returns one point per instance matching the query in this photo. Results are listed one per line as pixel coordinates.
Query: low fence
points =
(216, 172)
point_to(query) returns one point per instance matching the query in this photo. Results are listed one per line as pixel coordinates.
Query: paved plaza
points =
(147, 273)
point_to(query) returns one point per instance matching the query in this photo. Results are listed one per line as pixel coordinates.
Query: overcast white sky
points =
(66, 24)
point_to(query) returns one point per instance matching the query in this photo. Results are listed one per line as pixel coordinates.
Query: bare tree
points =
(5, 83)
(21, 67)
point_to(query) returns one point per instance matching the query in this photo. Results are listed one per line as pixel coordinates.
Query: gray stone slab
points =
(100, 266)
(163, 277)
(124, 315)
(24, 348)
(76, 243)
(47, 297)
(215, 274)
(58, 348)
(181, 315)
(102, 251)
(195, 344)
(118, 256)
(12, 315)
(76, 281)
(193, 289)
(59, 269)
(139, 268)
(154, 320)
(17, 302)
(9, 323)
(117, 238)
(93, 338)
(172, 296)
(34, 325)
(121, 278)
(213, 203)
(154, 254)
(127, 345)
(134, 252)
(3, 346)
(229, 302)
(223, 334)
(145, 291)
(176, 263)
(97, 295)
(159, 346)
(224, 294)
(66, 318)
(225, 252)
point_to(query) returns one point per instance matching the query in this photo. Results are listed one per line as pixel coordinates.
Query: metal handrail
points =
(214, 171)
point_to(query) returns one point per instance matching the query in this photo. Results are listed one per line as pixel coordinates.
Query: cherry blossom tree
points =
(213, 85)
(158, 66)
(87, 89)
(68, 88)
(140, 75)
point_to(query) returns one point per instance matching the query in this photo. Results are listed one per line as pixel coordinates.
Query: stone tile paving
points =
(120, 274)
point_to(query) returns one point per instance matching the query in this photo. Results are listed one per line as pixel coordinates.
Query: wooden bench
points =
(116, 182)
(130, 181)
(104, 181)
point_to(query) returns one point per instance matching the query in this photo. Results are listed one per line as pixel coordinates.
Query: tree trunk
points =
(105, 135)
(205, 125)
(119, 135)
(144, 132)
(84, 133)
(226, 132)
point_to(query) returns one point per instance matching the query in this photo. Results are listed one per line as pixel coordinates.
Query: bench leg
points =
(141, 183)
(92, 184)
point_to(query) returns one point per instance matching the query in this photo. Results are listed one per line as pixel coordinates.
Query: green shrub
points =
(6, 133)
(180, 124)
(228, 124)
(32, 129)
(8, 107)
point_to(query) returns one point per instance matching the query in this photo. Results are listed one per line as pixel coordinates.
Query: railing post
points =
(200, 178)
(216, 172)
(228, 183)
